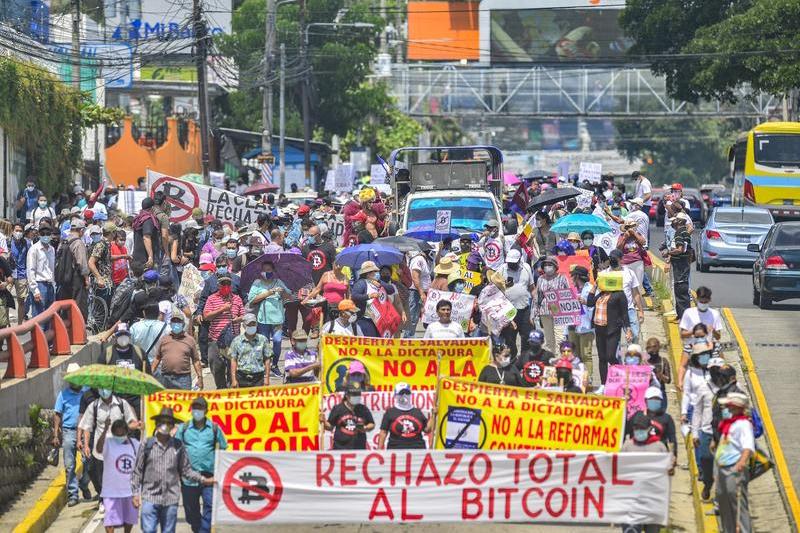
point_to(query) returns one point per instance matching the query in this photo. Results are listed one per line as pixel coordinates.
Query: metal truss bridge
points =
(464, 91)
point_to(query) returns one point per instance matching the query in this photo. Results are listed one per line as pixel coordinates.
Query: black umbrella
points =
(537, 174)
(553, 196)
(404, 244)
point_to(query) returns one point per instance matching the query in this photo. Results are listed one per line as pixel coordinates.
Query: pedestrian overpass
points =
(540, 91)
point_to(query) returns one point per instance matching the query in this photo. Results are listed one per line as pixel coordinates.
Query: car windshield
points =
(746, 217)
(787, 236)
(469, 214)
(777, 149)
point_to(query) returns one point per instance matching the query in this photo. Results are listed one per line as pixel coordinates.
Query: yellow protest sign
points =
(258, 418)
(495, 417)
(414, 361)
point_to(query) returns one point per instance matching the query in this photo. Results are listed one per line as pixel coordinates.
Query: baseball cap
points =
(94, 229)
(200, 403)
(513, 256)
(676, 187)
(638, 201)
(402, 388)
(653, 392)
(78, 224)
(249, 318)
(356, 367)
(347, 305)
(536, 337)
(303, 210)
(151, 276)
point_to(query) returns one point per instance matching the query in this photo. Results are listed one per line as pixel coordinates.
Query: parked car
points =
(728, 232)
(776, 270)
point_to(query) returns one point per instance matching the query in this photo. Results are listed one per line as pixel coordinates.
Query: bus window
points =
(777, 150)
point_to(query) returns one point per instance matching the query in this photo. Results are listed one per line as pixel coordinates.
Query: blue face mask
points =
(198, 414)
(118, 440)
(459, 287)
(703, 359)
(176, 327)
(654, 405)
(269, 275)
(726, 413)
(104, 393)
(230, 253)
(44, 239)
(205, 274)
(631, 360)
(222, 270)
(96, 238)
(641, 435)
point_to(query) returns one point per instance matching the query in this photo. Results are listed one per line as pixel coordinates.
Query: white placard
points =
(591, 172)
(462, 307)
(394, 486)
(443, 219)
(377, 175)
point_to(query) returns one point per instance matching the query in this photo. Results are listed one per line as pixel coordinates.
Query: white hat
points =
(513, 256)
(402, 386)
(653, 392)
(72, 367)
(638, 201)
(715, 362)
(93, 229)
(634, 348)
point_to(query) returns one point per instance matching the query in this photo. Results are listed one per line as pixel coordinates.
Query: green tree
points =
(709, 49)
(692, 151)
(444, 131)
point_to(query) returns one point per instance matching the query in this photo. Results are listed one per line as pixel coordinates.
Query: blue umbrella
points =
(580, 222)
(431, 236)
(354, 256)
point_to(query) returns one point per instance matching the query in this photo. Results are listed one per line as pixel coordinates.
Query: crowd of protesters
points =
(178, 302)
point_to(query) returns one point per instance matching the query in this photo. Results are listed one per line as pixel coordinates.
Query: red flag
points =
(520, 200)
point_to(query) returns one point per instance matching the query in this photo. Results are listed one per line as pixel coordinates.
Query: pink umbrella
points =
(509, 178)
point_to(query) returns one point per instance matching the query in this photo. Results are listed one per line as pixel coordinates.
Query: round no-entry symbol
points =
(252, 488)
(181, 195)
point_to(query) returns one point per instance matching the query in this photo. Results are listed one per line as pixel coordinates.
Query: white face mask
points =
(163, 429)
(123, 341)
(18, 235)
(702, 306)
(549, 269)
(250, 330)
(588, 242)
(403, 402)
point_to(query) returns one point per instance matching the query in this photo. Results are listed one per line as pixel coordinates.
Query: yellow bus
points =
(765, 167)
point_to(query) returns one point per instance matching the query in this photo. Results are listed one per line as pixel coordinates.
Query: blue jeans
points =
(199, 522)
(176, 382)
(154, 515)
(48, 296)
(633, 318)
(69, 446)
(274, 332)
(705, 459)
(414, 309)
(648, 288)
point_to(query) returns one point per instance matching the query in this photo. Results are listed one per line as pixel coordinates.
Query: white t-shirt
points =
(118, 466)
(117, 409)
(437, 330)
(642, 222)
(693, 316)
(519, 293)
(740, 438)
(418, 262)
(643, 187)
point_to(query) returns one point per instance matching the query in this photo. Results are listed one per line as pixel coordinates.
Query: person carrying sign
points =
(350, 421)
(403, 423)
(444, 328)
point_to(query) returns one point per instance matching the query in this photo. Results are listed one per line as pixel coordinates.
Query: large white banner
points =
(184, 196)
(441, 486)
(461, 307)
(378, 402)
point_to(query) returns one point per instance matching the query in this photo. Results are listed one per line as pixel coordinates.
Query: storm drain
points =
(777, 344)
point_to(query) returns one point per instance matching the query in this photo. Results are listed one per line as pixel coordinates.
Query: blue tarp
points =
(294, 156)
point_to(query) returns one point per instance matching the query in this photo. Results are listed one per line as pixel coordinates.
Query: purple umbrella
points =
(509, 178)
(291, 268)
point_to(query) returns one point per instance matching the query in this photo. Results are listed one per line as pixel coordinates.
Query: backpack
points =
(65, 264)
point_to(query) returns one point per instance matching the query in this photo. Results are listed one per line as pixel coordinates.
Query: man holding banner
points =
(350, 421)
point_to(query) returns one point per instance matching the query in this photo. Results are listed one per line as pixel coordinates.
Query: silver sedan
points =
(724, 240)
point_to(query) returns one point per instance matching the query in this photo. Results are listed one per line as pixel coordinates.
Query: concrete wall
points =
(41, 386)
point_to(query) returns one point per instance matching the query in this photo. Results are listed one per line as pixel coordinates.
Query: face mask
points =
(198, 414)
(459, 287)
(176, 327)
(631, 360)
(301, 346)
(726, 413)
(549, 269)
(250, 330)
(222, 270)
(44, 239)
(256, 251)
(123, 341)
(352, 319)
(30, 188)
(654, 405)
(373, 276)
(535, 348)
(205, 274)
(641, 435)
(703, 359)
(230, 253)
(358, 377)
(225, 290)
(104, 393)
(587, 242)
(654, 354)
(504, 362)
(269, 275)
(42, 204)
(513, 266)
(613, 263)
(702, 306)
(18, 235)
(118, 439)
(163, 429)
(96, 238)
(355, 400)
(403, 402)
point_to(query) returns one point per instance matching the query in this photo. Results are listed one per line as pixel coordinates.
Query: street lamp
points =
(304, 86)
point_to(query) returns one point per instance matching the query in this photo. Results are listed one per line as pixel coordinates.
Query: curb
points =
(46, 509)
(705, 517)
(787, 487)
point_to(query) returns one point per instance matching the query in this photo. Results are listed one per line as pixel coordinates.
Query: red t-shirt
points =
(119, 267)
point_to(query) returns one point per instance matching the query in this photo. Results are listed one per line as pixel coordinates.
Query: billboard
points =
(163, 20)
(557, 35)
(443, 31)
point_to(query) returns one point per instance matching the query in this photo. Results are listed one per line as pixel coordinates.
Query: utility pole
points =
(76, 45)
(202, 84)
(304, 96)
(266, 108)
(282, 119)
